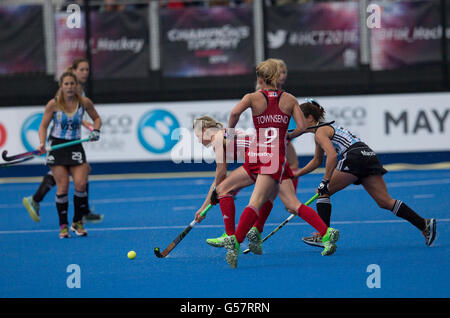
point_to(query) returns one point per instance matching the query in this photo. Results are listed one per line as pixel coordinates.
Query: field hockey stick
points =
(11, 163)
(321, 124)
(317, 126)
(179, 237)
(37, 152)
(285, 221)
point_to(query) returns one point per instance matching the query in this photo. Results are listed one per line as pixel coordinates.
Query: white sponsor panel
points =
(130, 132)
(163, 130)
(417, 123)
(13, 119)
(395, 123)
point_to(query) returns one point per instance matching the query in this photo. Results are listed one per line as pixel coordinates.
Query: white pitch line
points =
(169, 227)
(242, 193)
(185, 208)
(199, 174)
(423, 196)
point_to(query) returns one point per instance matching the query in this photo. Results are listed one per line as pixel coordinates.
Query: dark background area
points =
(36, 89)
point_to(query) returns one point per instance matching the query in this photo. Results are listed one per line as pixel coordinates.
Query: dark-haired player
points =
(349, 160)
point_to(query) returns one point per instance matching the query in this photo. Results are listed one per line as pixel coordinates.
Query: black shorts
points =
(360, 161)
(68, 156)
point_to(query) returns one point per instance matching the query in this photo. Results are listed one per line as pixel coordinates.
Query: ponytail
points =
(312, 107)
(206, 122)
(269, 72)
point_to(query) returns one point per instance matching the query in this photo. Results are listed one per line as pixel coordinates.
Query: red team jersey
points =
(268, 154)
(237, 145)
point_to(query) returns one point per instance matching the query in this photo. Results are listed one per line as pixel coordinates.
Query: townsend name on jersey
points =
(272, 119)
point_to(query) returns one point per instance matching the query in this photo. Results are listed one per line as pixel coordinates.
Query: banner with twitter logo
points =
(314, 36)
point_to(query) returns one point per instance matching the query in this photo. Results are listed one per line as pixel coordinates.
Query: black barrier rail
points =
(444, 42)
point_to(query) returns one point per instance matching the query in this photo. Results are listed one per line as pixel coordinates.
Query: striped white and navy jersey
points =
(342, 139)
(67, 127)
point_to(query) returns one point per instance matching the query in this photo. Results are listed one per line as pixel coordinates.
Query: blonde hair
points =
(268, 71)
(281, 65)
(206, 122)
(281, 68)
(60, 100)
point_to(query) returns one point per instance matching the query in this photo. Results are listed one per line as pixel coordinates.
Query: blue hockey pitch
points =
(141, 214)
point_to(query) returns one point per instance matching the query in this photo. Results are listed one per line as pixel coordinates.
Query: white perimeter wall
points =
(149, 131)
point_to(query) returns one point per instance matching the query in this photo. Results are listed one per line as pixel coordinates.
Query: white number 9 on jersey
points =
(270, 135)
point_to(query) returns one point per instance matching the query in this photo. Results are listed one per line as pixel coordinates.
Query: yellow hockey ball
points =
(131, 254)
